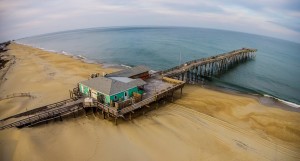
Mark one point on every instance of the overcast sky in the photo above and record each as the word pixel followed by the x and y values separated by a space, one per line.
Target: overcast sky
pixel 275 18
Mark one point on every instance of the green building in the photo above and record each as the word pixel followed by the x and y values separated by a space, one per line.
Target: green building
pixel 107 89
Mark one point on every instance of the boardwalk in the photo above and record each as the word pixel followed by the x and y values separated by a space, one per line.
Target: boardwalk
pixel 43 115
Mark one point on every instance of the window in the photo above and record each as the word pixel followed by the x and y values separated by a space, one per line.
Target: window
pixel 116 98
pixel 125 93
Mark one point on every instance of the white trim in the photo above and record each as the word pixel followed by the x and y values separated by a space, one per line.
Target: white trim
pixel 125 90
pixel 111 94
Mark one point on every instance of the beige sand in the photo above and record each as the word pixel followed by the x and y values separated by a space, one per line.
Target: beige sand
pixel 47 76
pixel 203 125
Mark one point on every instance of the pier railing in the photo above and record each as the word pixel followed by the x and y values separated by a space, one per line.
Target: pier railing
pixel 41 116
pixel 193 71
pixel 153 98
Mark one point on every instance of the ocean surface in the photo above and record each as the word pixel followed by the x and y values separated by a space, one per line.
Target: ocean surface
pixel 275 72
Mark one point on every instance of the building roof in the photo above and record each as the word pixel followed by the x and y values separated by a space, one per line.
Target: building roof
pixel 111 86
pixel 129 72
pixel 122 79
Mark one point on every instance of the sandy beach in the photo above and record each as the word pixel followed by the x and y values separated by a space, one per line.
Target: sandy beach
pixel 203 125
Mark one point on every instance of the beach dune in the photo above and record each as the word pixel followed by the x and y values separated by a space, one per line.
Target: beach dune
pixel 202 125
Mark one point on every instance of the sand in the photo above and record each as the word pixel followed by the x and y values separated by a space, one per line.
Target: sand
pixel 202 125
pixel 48 77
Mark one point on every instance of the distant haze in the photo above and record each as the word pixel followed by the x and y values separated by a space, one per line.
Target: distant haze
pixel 275 18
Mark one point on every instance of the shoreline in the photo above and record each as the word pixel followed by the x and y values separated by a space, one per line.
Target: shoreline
pixel 78 57
pixel 6 60
pixel 203 124
pixel 263 99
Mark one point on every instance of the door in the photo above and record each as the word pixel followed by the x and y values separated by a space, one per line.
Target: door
pixel 125 95
pixel 101 98
pixel 93 94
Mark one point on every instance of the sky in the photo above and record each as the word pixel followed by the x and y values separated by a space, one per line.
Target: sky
pixel 275 18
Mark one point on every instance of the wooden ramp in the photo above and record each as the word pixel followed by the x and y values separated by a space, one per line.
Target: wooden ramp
pixel 44 115
pixel 153 98
pixel 40 109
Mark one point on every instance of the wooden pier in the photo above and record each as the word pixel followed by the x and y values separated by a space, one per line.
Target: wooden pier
pixel 193 71
pixel 161 85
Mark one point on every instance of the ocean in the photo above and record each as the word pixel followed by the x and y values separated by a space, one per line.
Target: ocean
pixel 275 72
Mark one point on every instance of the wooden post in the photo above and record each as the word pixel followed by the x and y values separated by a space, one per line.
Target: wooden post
pixel 70 93
pixel 172 96
pixel 180 92
pixel 85 110
pixel 116 120
pixel 103 114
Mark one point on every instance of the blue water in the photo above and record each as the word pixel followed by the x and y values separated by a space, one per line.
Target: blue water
pixel 274 72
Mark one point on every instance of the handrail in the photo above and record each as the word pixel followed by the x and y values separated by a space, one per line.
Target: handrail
pixel 205 60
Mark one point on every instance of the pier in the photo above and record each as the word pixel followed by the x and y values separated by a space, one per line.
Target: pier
pixel 159 86
pixel 195 70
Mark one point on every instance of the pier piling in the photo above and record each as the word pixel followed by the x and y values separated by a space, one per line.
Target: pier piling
pixel 195 70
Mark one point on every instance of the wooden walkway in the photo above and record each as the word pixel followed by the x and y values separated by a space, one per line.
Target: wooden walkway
pixel 147 101
pixel 39 109
pixel 48 114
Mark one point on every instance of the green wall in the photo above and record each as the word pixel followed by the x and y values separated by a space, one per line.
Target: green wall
pixel 85 90
pixel 120 95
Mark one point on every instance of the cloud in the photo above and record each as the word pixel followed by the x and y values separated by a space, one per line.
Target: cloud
pixel 295 28
pixel 277 18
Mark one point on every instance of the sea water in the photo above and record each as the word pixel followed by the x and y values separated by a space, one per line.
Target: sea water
pixel 275 72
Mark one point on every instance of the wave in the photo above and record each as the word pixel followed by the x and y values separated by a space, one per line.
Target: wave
pixel 65 53
pixel 292 104
pixel 126 66
pixel 79 57
pixel 152 71
pixel 237 88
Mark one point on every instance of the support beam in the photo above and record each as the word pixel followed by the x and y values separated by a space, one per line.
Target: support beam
pixel 181 92
pixel 116 120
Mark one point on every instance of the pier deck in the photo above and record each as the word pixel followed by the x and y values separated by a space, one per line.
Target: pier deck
pixel 194 70
pixel 156 89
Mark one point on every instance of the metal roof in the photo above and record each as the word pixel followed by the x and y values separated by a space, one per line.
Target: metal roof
pixel 111 86
pixel 129 72
pixel 122 79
